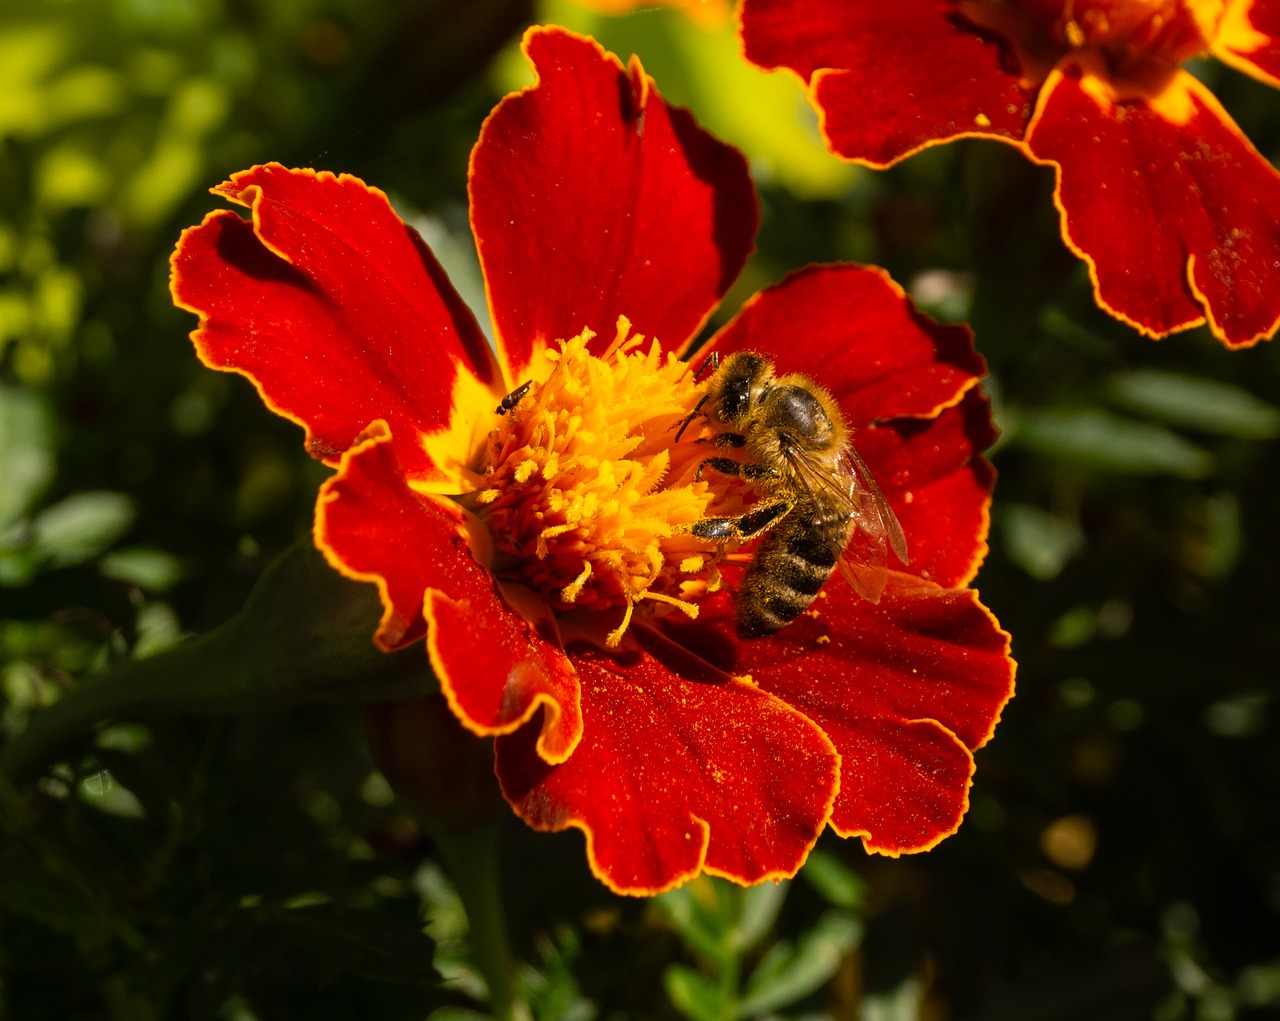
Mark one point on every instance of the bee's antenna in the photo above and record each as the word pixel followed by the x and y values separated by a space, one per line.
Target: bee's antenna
pixel 712 360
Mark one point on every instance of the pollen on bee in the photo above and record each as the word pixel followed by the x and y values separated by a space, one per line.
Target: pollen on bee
pixel 580 491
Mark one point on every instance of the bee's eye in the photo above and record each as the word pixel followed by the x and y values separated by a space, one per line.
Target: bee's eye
pixel 735 399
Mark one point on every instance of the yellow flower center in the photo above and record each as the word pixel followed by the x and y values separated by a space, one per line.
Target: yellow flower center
pixel 586 495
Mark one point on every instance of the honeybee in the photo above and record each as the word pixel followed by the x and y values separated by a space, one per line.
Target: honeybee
pixel 815 492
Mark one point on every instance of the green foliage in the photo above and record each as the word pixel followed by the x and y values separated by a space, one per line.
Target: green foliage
pixel 740 974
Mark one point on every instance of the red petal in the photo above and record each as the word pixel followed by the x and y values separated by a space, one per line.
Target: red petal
pixel 591 199
pixel 936 481
pixel 335 309
pixel 904 688
pixel 902 76
pixel 680 770
pixel 946 524
pixel 1178 221
pixel 1248 38
pixel 855 331
pixel 373 527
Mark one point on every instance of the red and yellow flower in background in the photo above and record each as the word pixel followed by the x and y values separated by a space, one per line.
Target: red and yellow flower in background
pixel 709 12
pixel 1176 214
pixel 537 536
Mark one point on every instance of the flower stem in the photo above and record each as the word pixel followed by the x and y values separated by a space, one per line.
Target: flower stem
pixel 470 856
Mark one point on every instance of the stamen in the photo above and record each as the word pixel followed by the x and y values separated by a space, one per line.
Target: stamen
pixel 586 495
pixel 614 638
pixel 690 609
pixel 570 592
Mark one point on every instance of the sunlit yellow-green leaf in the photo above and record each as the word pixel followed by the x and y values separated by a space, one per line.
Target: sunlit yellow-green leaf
pixel 28 55
pixel 163 180
pixel 26 452
pixel 198 107
pixel 70 176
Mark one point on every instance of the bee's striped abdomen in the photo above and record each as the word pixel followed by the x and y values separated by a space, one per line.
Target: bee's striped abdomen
pixel 793 562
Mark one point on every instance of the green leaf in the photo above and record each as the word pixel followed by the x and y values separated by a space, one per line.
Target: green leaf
pixel 1037 541
pixel 101 791
pixel 1108 442
pixel 18 566
pixel 1194 403
pixel 832 878
pixel 760 907
pixel 82 526
pixel 694 912
pixel 146 567
pixel 158 629
pixel 693 995
pixel 785 976
pixel 304 636
pixel 26 453
pixel 50 887
pixel 376 945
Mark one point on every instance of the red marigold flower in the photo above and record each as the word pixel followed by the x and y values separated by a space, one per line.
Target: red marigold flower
pixel 532 514
pixel 1176 214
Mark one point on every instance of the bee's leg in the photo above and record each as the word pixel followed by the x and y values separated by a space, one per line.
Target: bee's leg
pixel 749 470
pixel 742 527
pixel 690 417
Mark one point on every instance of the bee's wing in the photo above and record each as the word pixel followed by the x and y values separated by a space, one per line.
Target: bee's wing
pixel 876 514
pixel 848 484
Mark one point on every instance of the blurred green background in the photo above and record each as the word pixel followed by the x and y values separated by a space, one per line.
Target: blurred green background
pixel 1121 858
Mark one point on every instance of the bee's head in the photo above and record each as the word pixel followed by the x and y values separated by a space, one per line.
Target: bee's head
pixel 738 386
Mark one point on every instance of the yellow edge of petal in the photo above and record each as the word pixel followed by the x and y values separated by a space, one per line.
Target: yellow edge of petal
pixel 1215 327
pixel 1236 39
pixel 1090 265
pixel 555 711
pixel 869 843
pixel 1012 669
pixel 251 197
pixel 1177 111
pixel 865 835
pixel 700 866
pixel 1244 65
pixel 376 432
pixel 982 547
pixel 862 161
pixel 196 336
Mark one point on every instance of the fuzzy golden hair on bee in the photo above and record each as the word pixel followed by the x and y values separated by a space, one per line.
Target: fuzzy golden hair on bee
pixel 813 491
